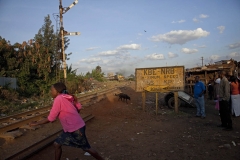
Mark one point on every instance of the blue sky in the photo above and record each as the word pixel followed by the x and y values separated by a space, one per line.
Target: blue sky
pixel 113 32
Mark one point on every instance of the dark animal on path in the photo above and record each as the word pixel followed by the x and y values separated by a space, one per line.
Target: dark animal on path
pixel 123 96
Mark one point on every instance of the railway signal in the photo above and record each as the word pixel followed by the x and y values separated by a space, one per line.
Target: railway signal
pixel 64 33
pixel 73 4
pixel 71 33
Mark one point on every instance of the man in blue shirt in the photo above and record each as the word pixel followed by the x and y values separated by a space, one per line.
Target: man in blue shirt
pixel 199 90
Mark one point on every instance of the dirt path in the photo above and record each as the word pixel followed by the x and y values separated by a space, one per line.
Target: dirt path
pixel 123 131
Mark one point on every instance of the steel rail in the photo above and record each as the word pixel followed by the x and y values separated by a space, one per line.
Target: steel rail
pixel 24 118
pixel 40 145
pixel 23 114
pixel 82 98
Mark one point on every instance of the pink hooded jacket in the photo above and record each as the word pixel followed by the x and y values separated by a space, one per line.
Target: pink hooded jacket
pixel 67 112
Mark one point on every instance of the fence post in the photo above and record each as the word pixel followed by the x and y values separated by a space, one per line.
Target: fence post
pixel 176 101
pixel 143 100
pixel 156 103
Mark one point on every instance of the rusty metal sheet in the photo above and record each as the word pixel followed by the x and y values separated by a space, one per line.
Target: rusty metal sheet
pixel 160 79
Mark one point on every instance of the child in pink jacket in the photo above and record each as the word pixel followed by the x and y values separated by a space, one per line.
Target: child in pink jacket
pixel 66 108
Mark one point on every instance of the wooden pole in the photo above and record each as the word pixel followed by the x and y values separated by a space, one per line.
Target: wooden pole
pixel 176 101
pixel 156 103
pixel 206 82
pixel 143 100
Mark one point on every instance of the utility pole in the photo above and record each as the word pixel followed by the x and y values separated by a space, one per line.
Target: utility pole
pixel 202 61
pixel 63 33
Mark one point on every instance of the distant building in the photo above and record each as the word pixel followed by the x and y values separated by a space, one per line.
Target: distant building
pixel 110 74
pixel 10 82
pixel 112 77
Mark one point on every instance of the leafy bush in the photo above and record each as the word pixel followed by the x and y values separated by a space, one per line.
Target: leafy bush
pixel 6 93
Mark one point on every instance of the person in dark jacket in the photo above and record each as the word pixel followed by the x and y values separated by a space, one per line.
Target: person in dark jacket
pixel 210 90
pixel 224 97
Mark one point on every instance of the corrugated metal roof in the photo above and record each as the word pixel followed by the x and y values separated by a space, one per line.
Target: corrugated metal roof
pixel 220 65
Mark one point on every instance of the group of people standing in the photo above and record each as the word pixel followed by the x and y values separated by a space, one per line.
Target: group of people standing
pixel 226 93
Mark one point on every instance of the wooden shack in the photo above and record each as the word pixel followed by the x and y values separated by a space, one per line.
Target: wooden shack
pixel 209 72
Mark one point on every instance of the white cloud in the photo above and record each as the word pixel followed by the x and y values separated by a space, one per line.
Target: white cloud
pixel 106 61
pixel 234 45
pixel 130 47
pixel 125 56
pixel 110 53
pixel 112 60
pixel 140 34
pixel 195 20
pixel 203 16
pixel 180 36
pixel 189 51
pixel 91 60
pixel 121 51
pixel 91 48
pixel 221 29
pixel 82 68
pixel 234 54
pixel 155 56
pixel 116 65
pixel 172 55
pixel 200 16
pixel 214 57
pixel 180 21
pixel 136 61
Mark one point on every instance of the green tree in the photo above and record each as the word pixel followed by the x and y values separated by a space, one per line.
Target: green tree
pixel 8 60
pixel 98 74
pixel 72 80
pixel 35 63
pixel 98 69
pixel 46 57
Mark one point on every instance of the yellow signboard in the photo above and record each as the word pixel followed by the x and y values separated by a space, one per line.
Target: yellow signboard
pixel 160 79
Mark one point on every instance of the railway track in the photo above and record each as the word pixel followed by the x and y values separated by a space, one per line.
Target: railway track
pixel 38 146
pixel 14 122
